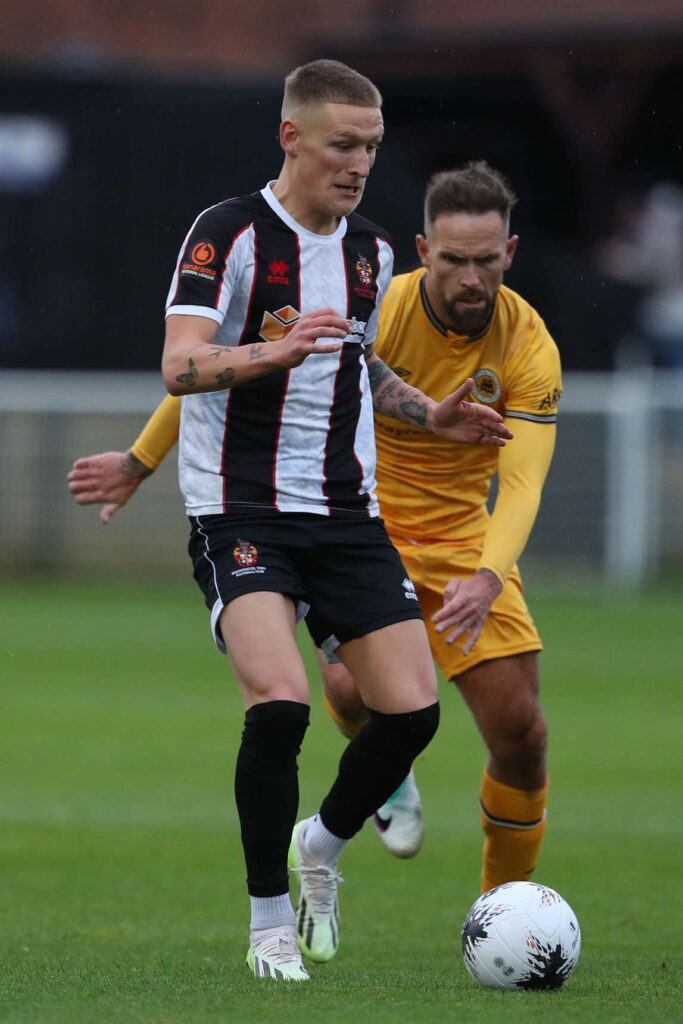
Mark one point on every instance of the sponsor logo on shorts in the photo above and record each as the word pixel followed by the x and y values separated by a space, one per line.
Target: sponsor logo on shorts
pixel 487 387
pixel 246 556
pixel 409 588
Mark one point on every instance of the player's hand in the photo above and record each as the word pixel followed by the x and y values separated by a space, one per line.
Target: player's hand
pixel 110 479
pixel 466 604
pixel 468 422
pixel 302 340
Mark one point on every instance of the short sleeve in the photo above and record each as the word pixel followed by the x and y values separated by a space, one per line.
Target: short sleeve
pixel 534 378
pixel 205 273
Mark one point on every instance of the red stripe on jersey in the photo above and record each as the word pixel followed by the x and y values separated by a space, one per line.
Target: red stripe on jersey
pixel 286 387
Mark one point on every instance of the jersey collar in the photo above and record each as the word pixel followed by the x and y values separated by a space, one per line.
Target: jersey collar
pixel 277 208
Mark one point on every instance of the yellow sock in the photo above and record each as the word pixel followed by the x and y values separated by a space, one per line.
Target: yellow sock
pixel 346 727
pixel 514 822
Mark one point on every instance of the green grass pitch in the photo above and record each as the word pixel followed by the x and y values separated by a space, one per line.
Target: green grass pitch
pixel 122 881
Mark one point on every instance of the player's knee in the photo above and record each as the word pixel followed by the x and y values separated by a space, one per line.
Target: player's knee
pixel 401 737
pixel 524 739
pixel 273 734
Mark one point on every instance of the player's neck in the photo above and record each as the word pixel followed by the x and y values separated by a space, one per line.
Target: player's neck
pixel 299 208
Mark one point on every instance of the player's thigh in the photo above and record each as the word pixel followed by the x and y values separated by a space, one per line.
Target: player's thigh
pixel 364 609
pixel 340 688
pixel 393 667
pixel 259 630
pixel 252 588
pixel 503 695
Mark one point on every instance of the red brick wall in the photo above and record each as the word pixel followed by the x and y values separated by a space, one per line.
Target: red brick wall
pixel 263 37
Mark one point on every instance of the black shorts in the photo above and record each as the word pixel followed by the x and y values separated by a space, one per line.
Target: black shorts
pixel 346 569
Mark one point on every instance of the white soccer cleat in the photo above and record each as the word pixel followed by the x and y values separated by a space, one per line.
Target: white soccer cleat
pixel 317 914
pixel 399 821
pixel 274 953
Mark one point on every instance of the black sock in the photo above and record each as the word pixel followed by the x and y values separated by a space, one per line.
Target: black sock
pixel 267 790
pixel 374 765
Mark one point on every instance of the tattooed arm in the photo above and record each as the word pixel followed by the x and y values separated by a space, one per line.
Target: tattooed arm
pixel 393 397
pixel 193 363
pixel 454 419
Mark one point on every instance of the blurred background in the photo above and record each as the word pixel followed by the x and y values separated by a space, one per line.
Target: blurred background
pixel 120 121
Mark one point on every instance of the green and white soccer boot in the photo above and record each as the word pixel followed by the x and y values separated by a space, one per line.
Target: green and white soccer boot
pixel 399 821
pixel 274 953
pixel 317 913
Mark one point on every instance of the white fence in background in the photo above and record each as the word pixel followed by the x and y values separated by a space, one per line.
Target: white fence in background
pixel 612 503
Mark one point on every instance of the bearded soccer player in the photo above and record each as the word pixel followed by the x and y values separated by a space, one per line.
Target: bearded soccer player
pixel 270 320
pixel 451 317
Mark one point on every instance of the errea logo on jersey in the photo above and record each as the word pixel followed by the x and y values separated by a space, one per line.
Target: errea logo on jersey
pixel 409 588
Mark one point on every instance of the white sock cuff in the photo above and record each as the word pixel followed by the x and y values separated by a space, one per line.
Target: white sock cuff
pixel 322 845
pixel 271 911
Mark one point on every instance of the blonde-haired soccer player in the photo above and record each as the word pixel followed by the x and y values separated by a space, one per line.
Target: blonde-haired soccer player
pixel 450 318
pixel 270 319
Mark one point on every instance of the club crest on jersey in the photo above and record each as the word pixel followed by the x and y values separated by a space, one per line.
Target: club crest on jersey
pixel 366 277
pixel 275 326
pixel 409 588
pixel 364 270
pixel 245 554
pixel 487 387
pixel 277 272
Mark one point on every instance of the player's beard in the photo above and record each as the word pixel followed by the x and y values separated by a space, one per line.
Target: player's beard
pixel 470 322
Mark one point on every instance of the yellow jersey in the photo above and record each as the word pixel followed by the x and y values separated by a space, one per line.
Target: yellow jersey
pixel 431 489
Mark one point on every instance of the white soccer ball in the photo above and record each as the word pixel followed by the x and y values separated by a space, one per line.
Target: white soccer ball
pixel 521 935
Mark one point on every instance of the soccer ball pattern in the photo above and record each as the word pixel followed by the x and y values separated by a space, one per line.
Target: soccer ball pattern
pixel 521 936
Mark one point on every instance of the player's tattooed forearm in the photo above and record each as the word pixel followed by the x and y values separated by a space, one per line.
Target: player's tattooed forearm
pixel 226 377
pixel 414 411
pixel 256 352
pixel 377 372
pixel 189 378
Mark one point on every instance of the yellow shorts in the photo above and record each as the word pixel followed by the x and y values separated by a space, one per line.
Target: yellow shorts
pixel 509 628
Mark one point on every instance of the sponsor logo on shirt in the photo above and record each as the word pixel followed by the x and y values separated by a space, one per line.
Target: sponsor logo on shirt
pixel 487 387
pixel 202 255
pixel 551 400
pixel 356 335
pixel 275 326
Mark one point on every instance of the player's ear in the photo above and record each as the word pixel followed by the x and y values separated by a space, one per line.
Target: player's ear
pixel 510 250
pixel 289 137
pixel 422 246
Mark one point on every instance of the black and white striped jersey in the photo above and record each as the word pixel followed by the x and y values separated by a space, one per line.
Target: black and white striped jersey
pixel 298 440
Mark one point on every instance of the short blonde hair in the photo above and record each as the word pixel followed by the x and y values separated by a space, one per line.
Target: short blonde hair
pixel 328 81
